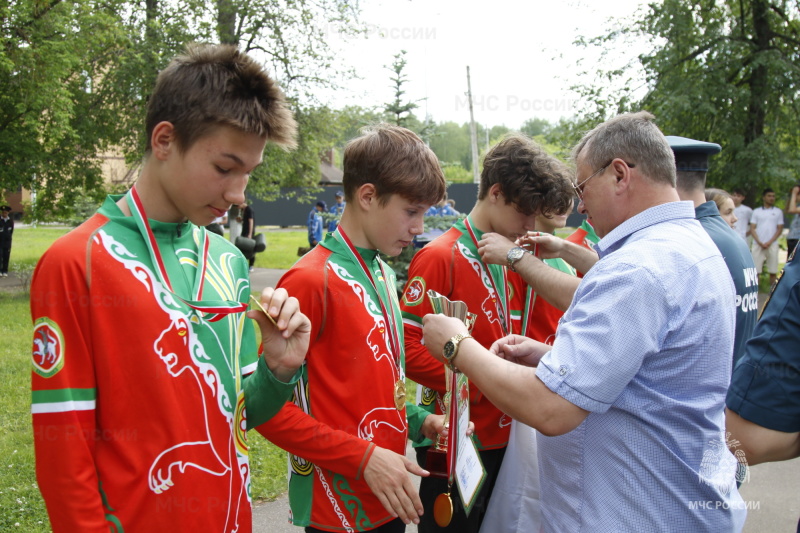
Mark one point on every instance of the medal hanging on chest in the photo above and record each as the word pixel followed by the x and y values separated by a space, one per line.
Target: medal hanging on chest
pixel 209 310
pixel 399 392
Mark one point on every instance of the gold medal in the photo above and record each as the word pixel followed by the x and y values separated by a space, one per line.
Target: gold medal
pixel 261 308
pixel 443 509
pixel 400 394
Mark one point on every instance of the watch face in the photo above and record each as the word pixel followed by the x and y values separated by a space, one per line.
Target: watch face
pixel 449 348
pixel 515 253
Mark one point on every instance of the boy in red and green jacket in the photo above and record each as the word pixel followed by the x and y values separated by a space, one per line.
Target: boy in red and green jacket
pixel 348 470
pixel 519 181
pixel 146 372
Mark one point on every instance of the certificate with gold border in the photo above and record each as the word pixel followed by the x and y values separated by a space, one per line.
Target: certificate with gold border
pixel 470 473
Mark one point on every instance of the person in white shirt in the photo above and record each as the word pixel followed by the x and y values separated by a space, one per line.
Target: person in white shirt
pixel 742 212
pixel 766 226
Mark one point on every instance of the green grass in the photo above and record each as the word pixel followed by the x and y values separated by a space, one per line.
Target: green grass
pixel 21 505
pixel 282 247
pixel 30 243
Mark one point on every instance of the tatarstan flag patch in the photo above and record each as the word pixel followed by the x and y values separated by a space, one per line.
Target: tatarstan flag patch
pixel 415 291
pixel 48 348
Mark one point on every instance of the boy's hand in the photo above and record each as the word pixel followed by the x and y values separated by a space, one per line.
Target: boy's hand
pixel 284 333
pixel 434 425
pixel 386 474
pixel 493 248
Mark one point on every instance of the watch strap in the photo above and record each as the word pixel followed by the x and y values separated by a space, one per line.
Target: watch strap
pixel 456 340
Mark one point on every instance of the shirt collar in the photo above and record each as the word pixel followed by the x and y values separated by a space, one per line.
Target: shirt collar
pixel 648 217
pixel 707 209
pixel 111 210
pixel 368 254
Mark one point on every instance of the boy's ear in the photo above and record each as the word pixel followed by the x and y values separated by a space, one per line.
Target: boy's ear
pixel 366 196
pixel 162 140
pixel 495 193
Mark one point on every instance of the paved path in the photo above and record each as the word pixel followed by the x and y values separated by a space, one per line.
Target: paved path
pixel 261 278
pixel 272 517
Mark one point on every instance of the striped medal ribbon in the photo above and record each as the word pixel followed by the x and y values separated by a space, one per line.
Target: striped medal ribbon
pixel 211 310
pixel 394 338
pixel 502 306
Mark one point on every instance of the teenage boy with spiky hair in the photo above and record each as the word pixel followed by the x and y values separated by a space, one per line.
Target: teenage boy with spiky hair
pixel 348 470
pixel 145 366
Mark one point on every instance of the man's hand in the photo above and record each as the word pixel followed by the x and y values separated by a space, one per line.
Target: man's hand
pixel 285 341
pixel 386 474
pixel 493 248
pixel 520 350
pixel 437 330
pixel 543 246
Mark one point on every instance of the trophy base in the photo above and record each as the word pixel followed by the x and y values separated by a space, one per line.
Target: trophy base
pixel 436 462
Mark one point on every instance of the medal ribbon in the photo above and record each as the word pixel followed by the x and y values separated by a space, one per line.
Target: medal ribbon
pixel 213 310
pixel 530 301
pixel 502 306
pixel 394 338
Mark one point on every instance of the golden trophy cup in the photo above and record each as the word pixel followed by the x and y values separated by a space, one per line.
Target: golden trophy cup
pixel 436 459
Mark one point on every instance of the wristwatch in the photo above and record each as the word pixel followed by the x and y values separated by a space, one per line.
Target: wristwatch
pixel 514 255
pixel 451 350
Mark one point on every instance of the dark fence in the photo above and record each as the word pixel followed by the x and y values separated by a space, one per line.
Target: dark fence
pixel 291 212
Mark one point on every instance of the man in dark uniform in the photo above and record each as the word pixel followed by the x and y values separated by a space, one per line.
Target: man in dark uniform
pixel 6 232
pixel 763 414
pixel 691 161
pixel 248 227
pixel 336 209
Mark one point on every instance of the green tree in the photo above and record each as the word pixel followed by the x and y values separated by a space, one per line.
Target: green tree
pixel 319 129
pixel 451 144
pixel 535 126
pixel 75 77
pixel 723 71
pixel 398 109
pixel 54 118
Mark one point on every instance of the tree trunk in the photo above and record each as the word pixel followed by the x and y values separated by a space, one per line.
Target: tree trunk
pixel 226 22
pixel 756 116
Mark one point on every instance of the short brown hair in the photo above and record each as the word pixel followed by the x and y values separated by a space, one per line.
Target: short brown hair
pixel 530 178
pixel 395 161
pixel 214 85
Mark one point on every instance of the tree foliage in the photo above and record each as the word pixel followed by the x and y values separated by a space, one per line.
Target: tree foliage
pixel 722 71
pixel 75 77
pixel 398 109
pixel 53 117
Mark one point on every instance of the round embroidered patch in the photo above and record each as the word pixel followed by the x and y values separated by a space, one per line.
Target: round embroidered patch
pixel 415 291
pixel 240 427
pixel 428 396
pixel 48 348
pixel 300 466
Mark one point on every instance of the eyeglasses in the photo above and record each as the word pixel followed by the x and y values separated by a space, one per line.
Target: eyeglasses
pixel 579 187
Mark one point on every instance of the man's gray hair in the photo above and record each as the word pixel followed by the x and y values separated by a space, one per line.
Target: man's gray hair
pixel 636 139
